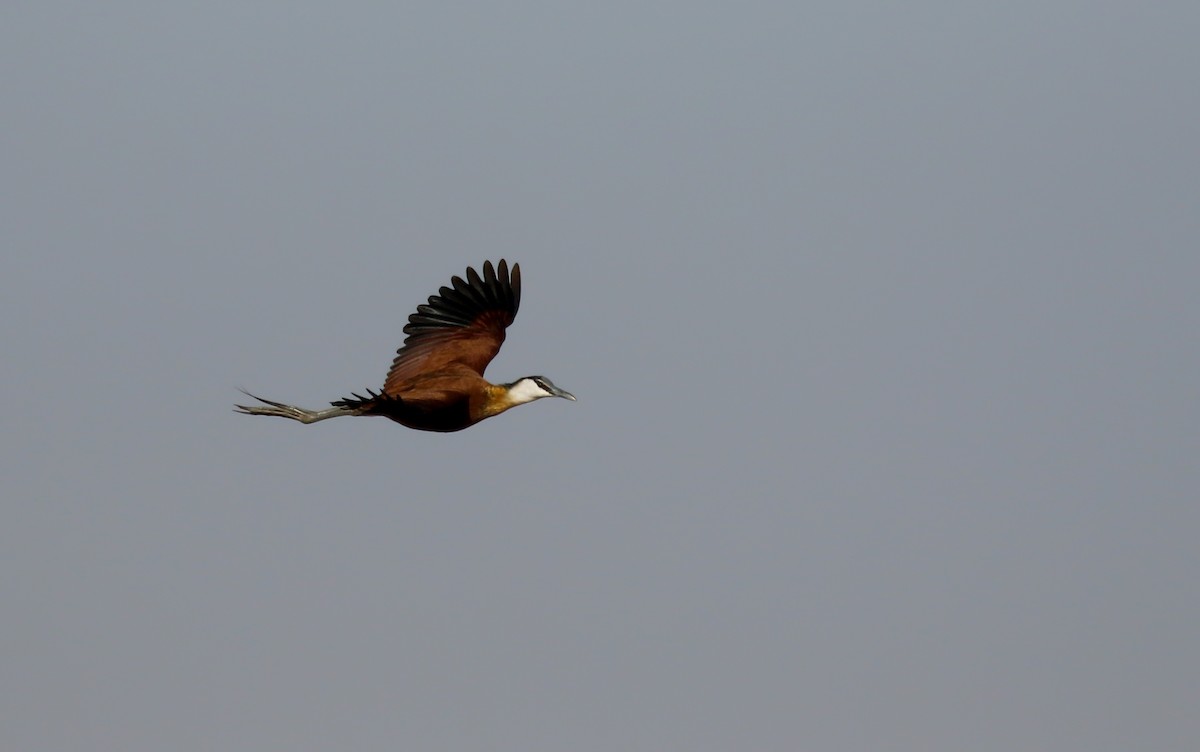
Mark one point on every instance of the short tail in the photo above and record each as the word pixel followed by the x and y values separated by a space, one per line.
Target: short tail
pixel 374 402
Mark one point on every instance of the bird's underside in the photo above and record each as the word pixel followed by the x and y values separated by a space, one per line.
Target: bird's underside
pixel 436 380
pixel 450 413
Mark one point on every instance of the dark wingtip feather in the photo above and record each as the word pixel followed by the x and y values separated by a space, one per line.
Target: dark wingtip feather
pixel 491 285
pixel 461 303
pixel 514 284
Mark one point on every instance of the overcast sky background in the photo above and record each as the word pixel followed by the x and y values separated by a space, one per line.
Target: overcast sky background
pixel 882 318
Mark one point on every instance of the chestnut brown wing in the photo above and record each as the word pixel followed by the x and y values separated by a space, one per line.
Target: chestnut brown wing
pixel 463 324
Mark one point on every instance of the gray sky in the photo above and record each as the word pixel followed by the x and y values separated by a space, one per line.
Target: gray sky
pixel 882 318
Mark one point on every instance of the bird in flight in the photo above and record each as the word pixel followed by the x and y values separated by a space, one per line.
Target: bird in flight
pixel 436 381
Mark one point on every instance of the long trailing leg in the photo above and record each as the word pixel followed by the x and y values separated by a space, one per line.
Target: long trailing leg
pixel 280 410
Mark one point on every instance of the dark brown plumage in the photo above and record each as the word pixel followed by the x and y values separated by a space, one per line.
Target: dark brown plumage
pixel 436 380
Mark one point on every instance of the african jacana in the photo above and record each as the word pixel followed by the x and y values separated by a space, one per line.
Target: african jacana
pixel 436 381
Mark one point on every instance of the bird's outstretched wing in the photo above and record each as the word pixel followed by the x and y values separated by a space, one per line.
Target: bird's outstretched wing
pixel 462 325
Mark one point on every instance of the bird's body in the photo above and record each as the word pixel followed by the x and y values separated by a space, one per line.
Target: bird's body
pixel 436 381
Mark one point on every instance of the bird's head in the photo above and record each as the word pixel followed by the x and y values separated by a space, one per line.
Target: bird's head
pixel 532 388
